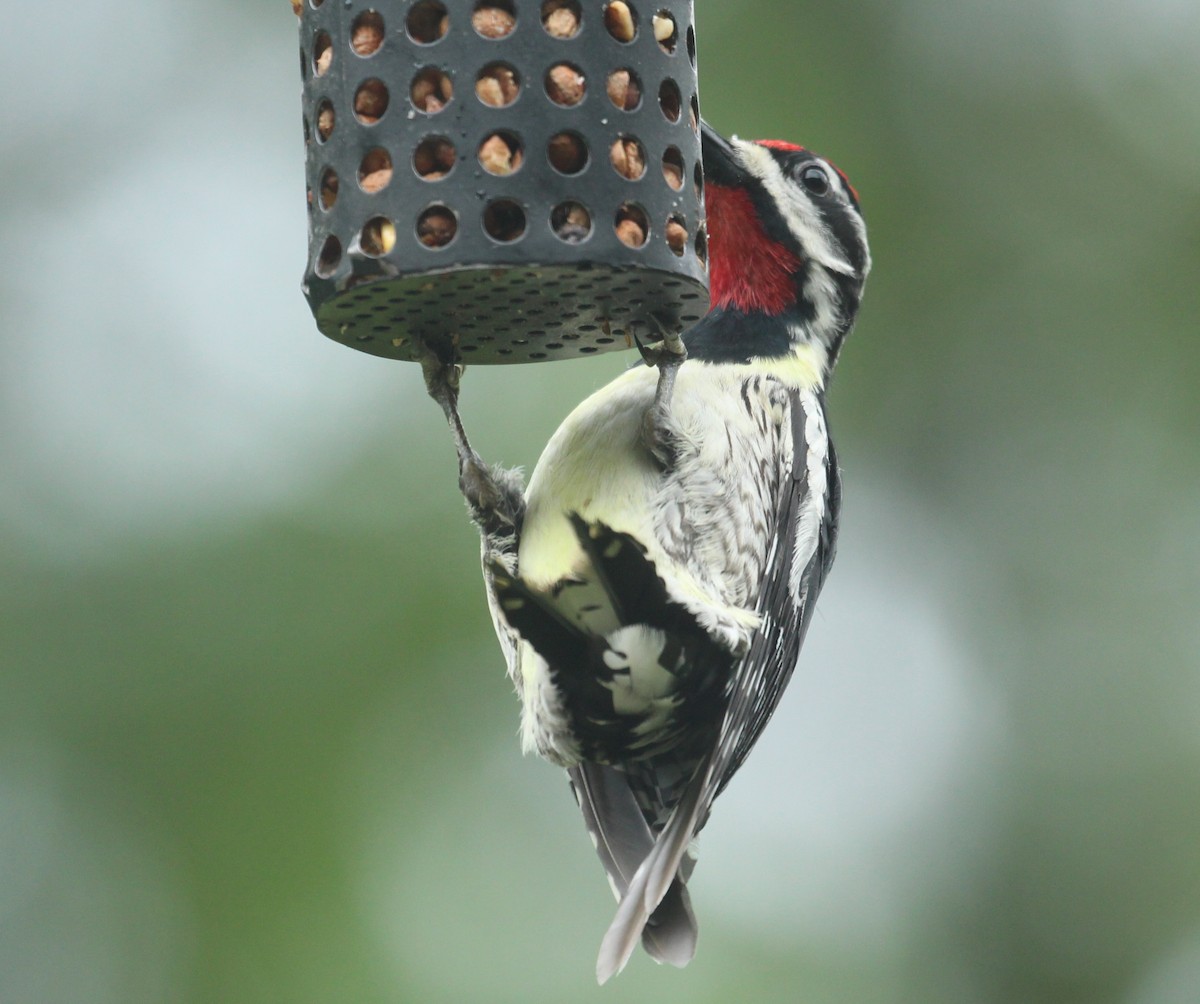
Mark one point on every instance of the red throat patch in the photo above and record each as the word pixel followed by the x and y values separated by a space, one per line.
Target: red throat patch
pixel 747 270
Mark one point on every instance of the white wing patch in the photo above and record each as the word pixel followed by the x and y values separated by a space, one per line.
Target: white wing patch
pixel 812 515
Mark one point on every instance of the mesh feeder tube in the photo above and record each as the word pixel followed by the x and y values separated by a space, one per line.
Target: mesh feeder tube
pixel 507 180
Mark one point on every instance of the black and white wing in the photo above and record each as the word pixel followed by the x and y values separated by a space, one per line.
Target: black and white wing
pixel 803 538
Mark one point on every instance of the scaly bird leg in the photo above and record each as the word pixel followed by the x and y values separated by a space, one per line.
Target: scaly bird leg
pixel 493 494
pixel 668 355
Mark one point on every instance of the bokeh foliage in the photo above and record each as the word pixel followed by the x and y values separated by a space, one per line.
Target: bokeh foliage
pixel 255 740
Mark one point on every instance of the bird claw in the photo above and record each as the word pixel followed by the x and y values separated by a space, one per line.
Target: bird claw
pixel 669 351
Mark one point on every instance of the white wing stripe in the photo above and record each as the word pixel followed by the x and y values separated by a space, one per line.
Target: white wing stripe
pixel 812 513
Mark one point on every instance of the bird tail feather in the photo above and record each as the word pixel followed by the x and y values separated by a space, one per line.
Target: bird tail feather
pixel 654 883
pixel 623 841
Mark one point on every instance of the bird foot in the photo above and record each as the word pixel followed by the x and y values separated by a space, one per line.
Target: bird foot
pixel 494 506
pixel 442 380
pixel 668 355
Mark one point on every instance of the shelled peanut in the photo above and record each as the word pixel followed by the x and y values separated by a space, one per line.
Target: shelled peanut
pixel 559 19
pixel 565 85
pixel 618 19
pixel 627 158
pixel 623 90
pixel 676 236
pixel 493 22
pixel 497 86
pixel 499 155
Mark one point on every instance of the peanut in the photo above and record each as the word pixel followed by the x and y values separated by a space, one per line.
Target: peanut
pixel 324 60
pixel 493 22
pixel 497 156
pixel 325 120
pixel 379 237
pixel 627 157
pixel 376 181
pixel 676 236
pixel 497 86
pixel 431 90
pixel 565 85
pixel 370 101
pixel 618 19
pixel 329 190
pixel 630 233
pixel 559 22
pixel 623 90
pixel 664 29
pixel 367 36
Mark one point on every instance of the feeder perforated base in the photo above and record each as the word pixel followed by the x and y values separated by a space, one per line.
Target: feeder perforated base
pixel 513 314
pixel 481 179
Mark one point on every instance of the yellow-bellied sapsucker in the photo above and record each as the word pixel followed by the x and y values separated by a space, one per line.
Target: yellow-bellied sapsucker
pixel 652 586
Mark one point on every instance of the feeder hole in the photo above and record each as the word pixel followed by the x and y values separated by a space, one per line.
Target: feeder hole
pixel 702 246
pixel 436 227
pixel 624 89
pixel 691 44
pixel 326 117
pixel 322 53
pixel 676 231
pixel 494 18
pixel 427 22
pixel 571 222
pixel 672 168
pixel 567 152
pixel 431 90
pixel 366 33
pixel 327 191
pixel 665 32
pixel 497 85
pixel 565 85
pixel 375 171
pixel 329 258
pixel 501 154
pixel 670 100
pixel 694 113
pixel 561 18
pixel 370 101
pixel 378 236
pixel 619 21
pixel 504 220
pixel 628 157
pixel 698 180
pixel 632 225
pixel 434 158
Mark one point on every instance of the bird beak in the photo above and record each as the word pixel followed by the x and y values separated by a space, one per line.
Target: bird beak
pixel 721 163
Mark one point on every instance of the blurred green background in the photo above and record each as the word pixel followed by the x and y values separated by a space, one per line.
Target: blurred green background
pixel 256 743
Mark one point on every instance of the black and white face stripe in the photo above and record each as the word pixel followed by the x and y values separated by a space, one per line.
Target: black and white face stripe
pixel 827 229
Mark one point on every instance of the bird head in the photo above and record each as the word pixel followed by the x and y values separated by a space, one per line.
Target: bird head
pixel 786 237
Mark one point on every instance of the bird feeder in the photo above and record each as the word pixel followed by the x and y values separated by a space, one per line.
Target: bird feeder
pixel 504 180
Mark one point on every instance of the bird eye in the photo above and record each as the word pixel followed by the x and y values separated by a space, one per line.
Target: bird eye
pixel 815 180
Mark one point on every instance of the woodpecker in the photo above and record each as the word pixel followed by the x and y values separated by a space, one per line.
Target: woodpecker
pixel 652 586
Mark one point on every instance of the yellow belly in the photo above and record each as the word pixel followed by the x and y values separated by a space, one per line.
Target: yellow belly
pixel 597 466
